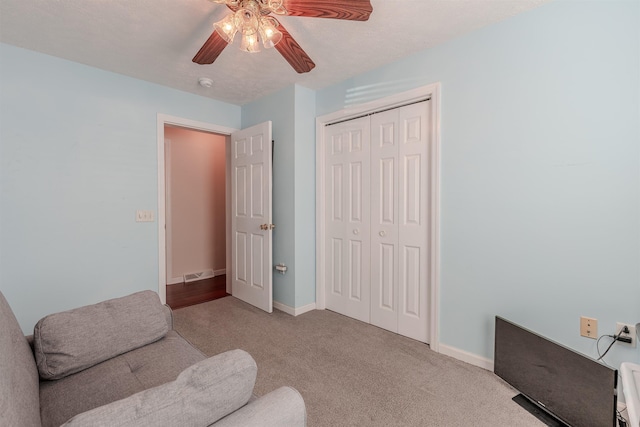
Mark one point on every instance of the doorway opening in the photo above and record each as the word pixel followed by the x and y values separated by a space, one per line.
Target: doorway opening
pixel 195 187
pixel 194 247
pixel 248 209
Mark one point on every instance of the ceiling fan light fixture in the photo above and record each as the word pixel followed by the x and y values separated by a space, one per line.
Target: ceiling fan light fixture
pixel 251 20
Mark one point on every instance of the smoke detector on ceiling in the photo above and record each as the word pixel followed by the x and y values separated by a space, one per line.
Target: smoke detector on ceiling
pixel 205 82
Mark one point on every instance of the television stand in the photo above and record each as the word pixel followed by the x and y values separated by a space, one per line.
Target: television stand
pixel 538 411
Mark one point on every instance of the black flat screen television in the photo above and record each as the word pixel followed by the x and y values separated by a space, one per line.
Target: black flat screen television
pixel 558 385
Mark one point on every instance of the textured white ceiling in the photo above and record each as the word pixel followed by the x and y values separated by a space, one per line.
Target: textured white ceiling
pixel 154 40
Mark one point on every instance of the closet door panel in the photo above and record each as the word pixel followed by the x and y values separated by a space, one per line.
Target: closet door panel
pixel 347 218
pixel 384 220
pixel 414 219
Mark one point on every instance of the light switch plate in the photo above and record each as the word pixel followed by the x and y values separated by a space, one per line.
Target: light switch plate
pixel 144 216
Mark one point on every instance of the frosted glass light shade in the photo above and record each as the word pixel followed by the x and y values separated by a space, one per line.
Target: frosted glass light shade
pixel 250 43
pixel 227 28
pixel 269 32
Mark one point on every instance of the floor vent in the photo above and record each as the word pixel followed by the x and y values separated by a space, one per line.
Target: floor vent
pixel 192 277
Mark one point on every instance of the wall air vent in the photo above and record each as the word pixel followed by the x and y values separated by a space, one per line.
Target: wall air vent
pixel 192 277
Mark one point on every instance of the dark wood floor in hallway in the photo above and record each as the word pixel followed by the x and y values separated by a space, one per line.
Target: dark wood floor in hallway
pixel 186 294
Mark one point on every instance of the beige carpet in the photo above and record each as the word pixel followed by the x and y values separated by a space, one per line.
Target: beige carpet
pixel 351 373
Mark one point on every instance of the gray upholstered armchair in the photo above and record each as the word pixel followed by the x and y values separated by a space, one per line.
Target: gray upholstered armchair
pixel 121 363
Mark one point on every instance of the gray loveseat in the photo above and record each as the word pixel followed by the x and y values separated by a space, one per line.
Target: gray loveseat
pixel 120 363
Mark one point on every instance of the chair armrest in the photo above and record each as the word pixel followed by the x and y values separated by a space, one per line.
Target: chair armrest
pixel 281 407
pixel 168 314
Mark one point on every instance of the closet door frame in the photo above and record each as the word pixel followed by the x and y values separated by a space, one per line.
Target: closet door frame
pixel 431 91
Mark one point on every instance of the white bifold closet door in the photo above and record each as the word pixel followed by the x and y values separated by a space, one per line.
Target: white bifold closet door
pixel 377 218
pixel 347 206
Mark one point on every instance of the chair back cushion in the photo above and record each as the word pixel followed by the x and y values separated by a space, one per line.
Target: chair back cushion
pixel 74 340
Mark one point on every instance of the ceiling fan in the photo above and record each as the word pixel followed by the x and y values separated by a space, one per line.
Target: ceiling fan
pixel 254 21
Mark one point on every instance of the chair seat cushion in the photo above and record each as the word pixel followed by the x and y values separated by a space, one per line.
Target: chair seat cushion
pixel 68 342
pixel 116 378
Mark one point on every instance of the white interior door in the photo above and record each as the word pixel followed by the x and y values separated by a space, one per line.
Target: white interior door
pixel 251 220
pixel 347 218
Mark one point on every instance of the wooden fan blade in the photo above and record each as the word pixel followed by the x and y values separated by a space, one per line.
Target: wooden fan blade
pixel 353 10
pixel 293 53
pixel 210 49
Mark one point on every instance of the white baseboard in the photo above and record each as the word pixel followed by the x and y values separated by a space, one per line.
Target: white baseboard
pixel 467 357
pixel 175 281
pixel 294 311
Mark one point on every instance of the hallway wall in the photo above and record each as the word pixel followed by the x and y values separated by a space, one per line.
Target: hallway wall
pixel 195 166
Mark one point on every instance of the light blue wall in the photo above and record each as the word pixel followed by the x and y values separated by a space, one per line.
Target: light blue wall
pixel 78 157
pixel 540 170
pixel 540 174
pixel 292 112
pixel 305 195
pixel 279 108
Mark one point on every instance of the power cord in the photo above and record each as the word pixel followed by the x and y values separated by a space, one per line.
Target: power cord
pixel 615 337
pixel 622 421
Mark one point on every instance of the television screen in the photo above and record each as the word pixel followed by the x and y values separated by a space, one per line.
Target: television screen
pixel 572 387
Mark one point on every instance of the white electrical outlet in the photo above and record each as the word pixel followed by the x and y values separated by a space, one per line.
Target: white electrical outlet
pixel 631 334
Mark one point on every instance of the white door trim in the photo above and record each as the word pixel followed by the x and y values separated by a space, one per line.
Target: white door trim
pixel 171 280
pixel 414 95
pixel 162 120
